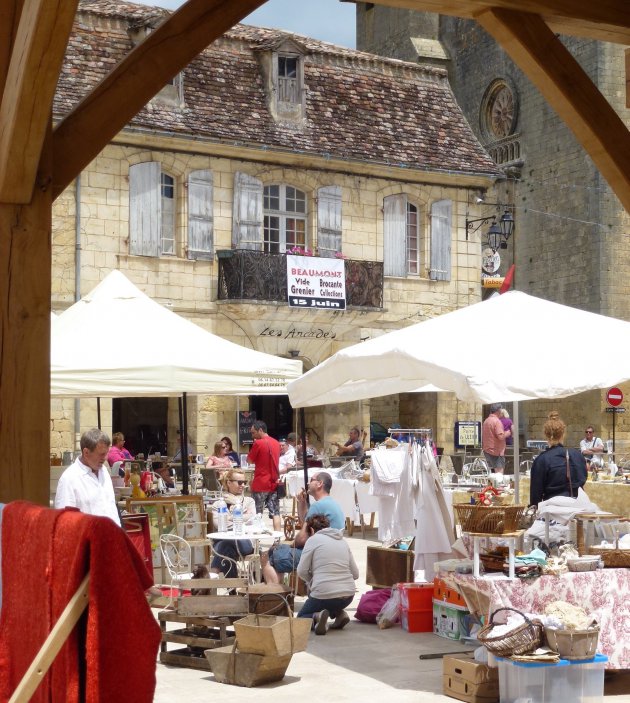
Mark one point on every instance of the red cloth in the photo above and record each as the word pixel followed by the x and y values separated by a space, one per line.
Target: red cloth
pixel 136 527
pixel 111 653
pixel 265 454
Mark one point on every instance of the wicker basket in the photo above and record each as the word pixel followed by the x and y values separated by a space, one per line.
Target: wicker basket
pixel 573 644
pixel 492 519
pixel 525 638
pixel 612 558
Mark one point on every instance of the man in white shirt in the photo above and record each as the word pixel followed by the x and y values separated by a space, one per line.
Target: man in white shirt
pixel 287 456
pixel 86 484
pixel 592 448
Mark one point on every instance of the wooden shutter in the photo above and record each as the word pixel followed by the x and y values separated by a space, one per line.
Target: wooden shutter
pixel 145 209
pixel 329 221
pixel 441 240
pixel 200 219
pixel 395 235
pixel 247 225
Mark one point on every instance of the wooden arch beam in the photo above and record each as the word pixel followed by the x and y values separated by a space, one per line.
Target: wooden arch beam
pixel 142 74
pixel 32 67
pixel 568 89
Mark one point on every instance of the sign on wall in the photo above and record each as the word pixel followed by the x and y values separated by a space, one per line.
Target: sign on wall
pixel 316 283
pixel 467 434
pixel 246 419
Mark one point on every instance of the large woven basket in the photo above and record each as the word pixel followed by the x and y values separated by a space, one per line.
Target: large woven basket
pixel 612 558
pixel 491 519
pixel 524 638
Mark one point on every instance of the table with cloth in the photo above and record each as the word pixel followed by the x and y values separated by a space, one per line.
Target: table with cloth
pixel 611 496
pixel 602 593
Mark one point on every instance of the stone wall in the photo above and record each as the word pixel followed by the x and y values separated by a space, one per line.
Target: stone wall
pixel 189 287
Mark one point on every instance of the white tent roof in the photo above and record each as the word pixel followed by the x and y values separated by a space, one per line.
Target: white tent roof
pixel 510 347
pixel 117 342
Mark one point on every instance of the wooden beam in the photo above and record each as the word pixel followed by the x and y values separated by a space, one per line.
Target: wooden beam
pixel 31 78
pixel 141 75
pixel 25 280
pixel 606 20
pixel 568 89
pixel 9 16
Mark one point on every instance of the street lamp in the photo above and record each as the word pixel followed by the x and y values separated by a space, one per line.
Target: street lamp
pixel 499 232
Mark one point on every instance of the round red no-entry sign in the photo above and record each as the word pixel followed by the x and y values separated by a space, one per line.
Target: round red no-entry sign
pixel 614 397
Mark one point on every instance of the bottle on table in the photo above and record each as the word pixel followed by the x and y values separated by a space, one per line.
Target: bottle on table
pixel 222 515
pixel 237 519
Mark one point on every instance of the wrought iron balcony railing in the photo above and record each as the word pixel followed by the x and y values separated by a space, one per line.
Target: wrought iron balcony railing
pixel 255 275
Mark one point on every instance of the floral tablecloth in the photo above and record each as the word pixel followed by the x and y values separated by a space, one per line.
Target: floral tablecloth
pixel 603 593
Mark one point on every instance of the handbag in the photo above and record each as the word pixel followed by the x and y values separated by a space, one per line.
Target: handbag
pixel 281 489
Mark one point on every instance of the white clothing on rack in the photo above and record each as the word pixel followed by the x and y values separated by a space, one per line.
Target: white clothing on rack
pixel 434 532
pixel 396 514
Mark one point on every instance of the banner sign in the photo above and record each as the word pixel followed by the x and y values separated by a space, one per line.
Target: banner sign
pixel 313 282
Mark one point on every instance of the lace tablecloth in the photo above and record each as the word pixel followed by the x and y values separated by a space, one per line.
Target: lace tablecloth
pixel 603 593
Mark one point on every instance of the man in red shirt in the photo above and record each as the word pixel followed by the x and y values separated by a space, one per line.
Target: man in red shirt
pixel 265 455
pixel 493 438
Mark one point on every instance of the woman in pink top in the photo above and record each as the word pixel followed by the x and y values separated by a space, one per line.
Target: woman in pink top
pixel 117 452
pixel 219 460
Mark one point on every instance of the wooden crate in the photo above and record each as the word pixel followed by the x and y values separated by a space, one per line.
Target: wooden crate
pixel 198 633
pixel 386 567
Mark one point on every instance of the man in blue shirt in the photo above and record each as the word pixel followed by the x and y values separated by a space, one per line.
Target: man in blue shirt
pixel 285 558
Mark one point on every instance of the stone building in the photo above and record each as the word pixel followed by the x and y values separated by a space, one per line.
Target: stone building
pixel 571 241
pixel 268 143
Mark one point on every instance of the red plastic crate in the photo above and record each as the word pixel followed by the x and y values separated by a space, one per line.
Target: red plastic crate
pixel 416 596
pixel 417 620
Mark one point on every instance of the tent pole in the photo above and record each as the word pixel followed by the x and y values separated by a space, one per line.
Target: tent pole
pixel 238 429
pixel 304 458
pixel 98 412
pixel 516 436
pixel 183 442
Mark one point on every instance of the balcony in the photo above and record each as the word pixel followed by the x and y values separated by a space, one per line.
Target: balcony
pixel 255 275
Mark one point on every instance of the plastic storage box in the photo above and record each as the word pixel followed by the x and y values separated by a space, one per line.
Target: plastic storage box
pixel 574 681
pixel 446 594
pixel 416 596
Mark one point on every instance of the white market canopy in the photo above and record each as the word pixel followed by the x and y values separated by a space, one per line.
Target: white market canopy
pixel 508 348
pixel 118 342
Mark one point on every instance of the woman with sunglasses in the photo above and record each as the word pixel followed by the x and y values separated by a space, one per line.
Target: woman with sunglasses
pixel 219 461
pixel 228 551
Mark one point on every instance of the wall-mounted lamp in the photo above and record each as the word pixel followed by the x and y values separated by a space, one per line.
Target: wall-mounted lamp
pixel 499 232
pixel 294 353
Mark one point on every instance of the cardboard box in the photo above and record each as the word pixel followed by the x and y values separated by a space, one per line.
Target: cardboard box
pixel 468 680
pixel 451 621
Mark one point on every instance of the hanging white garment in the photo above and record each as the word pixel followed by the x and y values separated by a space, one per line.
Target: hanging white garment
pixel 387 466
pixel 434 532
pixel 343 492
pixel 396 514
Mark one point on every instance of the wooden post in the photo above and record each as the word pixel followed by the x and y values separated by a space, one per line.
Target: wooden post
pixel 25 283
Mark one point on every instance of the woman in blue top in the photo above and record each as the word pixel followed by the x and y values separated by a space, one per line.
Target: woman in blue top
pixel 558 471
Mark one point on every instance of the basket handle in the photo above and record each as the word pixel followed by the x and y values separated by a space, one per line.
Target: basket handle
pixel 514 610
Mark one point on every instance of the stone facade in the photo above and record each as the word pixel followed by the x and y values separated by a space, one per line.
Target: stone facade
pixel 570 244
pixel 92 218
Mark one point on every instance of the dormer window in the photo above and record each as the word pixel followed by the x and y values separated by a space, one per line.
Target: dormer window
pixel 288 83
pixel 282 64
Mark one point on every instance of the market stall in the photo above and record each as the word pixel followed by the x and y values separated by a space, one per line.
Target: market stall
pixel 603 592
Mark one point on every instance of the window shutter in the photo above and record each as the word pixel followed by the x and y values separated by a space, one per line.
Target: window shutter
pixel 145 209
pixel 441 241
pixel 200 219
pixel 247 226
pixel 395 235
pixel 329 221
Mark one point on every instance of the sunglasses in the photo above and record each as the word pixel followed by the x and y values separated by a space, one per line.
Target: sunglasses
pixel 240 483
pixel 588 431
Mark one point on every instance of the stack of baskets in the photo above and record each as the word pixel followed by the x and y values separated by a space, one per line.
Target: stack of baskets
pixel 613 558
pixel 491 519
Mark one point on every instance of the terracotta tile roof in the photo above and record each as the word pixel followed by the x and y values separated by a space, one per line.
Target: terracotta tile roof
pixel 358 106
